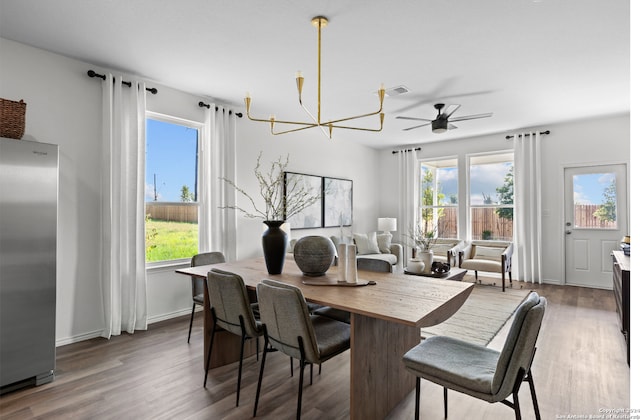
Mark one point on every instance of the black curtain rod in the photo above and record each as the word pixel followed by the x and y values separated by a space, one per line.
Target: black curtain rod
pixel 406 150
pixel 203 105
pixel 92 73
pixel 527 134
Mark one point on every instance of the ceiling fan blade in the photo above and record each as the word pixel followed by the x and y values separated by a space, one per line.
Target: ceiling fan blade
pixel 472 117
pixel 417 126
pixel 450 110
pixel 451 126
pixel 400 117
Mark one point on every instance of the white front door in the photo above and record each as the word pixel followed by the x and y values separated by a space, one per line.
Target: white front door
pixel 595 221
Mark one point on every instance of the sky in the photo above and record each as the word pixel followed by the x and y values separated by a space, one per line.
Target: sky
pixel 171 157
pixel 485 179
pixel 588 188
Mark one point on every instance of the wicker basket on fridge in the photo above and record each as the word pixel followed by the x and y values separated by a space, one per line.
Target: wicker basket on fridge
pixel 12 118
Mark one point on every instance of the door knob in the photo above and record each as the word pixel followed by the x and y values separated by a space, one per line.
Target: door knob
pixel 568 232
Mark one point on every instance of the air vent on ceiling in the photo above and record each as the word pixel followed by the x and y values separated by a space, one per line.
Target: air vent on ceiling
pixel 396 90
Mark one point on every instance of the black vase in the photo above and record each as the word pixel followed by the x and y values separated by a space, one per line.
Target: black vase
pixel 274 246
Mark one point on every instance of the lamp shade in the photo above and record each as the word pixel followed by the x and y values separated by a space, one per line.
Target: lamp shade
pixel 387 224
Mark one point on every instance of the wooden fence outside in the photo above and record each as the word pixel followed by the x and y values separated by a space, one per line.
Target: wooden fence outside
pixel 583 217
pixel 482 219
pixel 174 212
pixel 501 229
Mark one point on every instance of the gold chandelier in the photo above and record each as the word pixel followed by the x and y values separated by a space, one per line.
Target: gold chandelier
pixel 319 22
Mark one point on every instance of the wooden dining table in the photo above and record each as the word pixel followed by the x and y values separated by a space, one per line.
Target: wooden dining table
pixel 387 312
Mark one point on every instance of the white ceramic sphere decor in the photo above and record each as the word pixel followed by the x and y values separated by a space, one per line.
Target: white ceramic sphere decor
pixel 415 265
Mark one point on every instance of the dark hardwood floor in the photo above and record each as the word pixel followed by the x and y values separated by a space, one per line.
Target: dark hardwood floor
pixel 580 369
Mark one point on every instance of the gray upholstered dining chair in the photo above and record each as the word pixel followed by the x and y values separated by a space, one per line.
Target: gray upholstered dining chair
pixel 290 328
pixel 231 311
pixel 478 371
pixel 197 283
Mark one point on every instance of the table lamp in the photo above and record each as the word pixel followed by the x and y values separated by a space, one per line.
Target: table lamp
pixel 387 224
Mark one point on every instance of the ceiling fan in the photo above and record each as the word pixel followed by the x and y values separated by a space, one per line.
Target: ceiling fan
pixel 442 122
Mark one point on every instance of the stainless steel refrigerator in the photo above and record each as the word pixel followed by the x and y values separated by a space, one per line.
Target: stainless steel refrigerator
pixel 28 232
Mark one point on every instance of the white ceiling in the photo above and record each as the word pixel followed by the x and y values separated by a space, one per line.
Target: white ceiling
pixel 530 62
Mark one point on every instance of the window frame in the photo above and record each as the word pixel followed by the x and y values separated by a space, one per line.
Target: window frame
pixel 199 127
pixel 440 163
pixel 493 157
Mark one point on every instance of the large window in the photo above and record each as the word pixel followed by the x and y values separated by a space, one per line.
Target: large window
pixel 491 196
pixel 439 197
pixel 171 190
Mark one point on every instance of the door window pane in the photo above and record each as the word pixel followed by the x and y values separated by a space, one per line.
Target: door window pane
pixel 594 201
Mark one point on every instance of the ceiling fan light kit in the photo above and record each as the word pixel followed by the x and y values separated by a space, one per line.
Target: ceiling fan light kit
pixel 442 122
pixel 316 121
pixel 439 126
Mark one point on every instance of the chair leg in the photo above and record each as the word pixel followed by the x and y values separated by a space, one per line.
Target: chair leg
pixel 516 406
pixel 193 310
pixel 264 357
pixel 446 403
pixel 299 410
pixel 536 409
pixel 242 340
pixel 206 371
pixel 503 281
pixel 291 364
pixel 417 414
pixel 301 381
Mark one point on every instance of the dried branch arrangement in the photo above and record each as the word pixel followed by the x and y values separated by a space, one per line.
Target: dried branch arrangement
pixel 277 205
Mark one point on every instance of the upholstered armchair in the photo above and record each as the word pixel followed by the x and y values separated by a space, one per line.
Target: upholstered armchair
pixel 446 250
pixel 490 256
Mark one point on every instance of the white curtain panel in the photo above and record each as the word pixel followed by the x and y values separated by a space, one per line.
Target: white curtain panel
pixel 123 274
pixel 528 207
pixel 408 192
pixel 217 227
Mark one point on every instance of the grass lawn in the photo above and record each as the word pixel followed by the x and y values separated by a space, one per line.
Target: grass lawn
pixel 170 240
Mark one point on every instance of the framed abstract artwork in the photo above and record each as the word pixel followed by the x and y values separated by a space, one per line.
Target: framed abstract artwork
pixel 338 202
pixel 294 184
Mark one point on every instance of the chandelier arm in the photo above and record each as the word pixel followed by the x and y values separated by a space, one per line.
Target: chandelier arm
pixel 275 133
pixel 317 122
pixel 307 124
pixel 359 128
pixel 352 118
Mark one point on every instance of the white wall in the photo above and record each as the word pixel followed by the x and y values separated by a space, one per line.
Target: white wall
pixel 64 107
pixel 595 141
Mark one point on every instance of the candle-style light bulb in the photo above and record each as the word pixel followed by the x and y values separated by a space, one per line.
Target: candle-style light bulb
pixel 381 92
pixel 299 83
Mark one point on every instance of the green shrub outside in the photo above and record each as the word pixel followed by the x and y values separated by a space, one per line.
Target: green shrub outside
pixel 167 240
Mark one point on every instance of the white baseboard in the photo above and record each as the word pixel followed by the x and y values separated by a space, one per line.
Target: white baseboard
pixel 95 334
pixel 164 317
pixel 78 338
